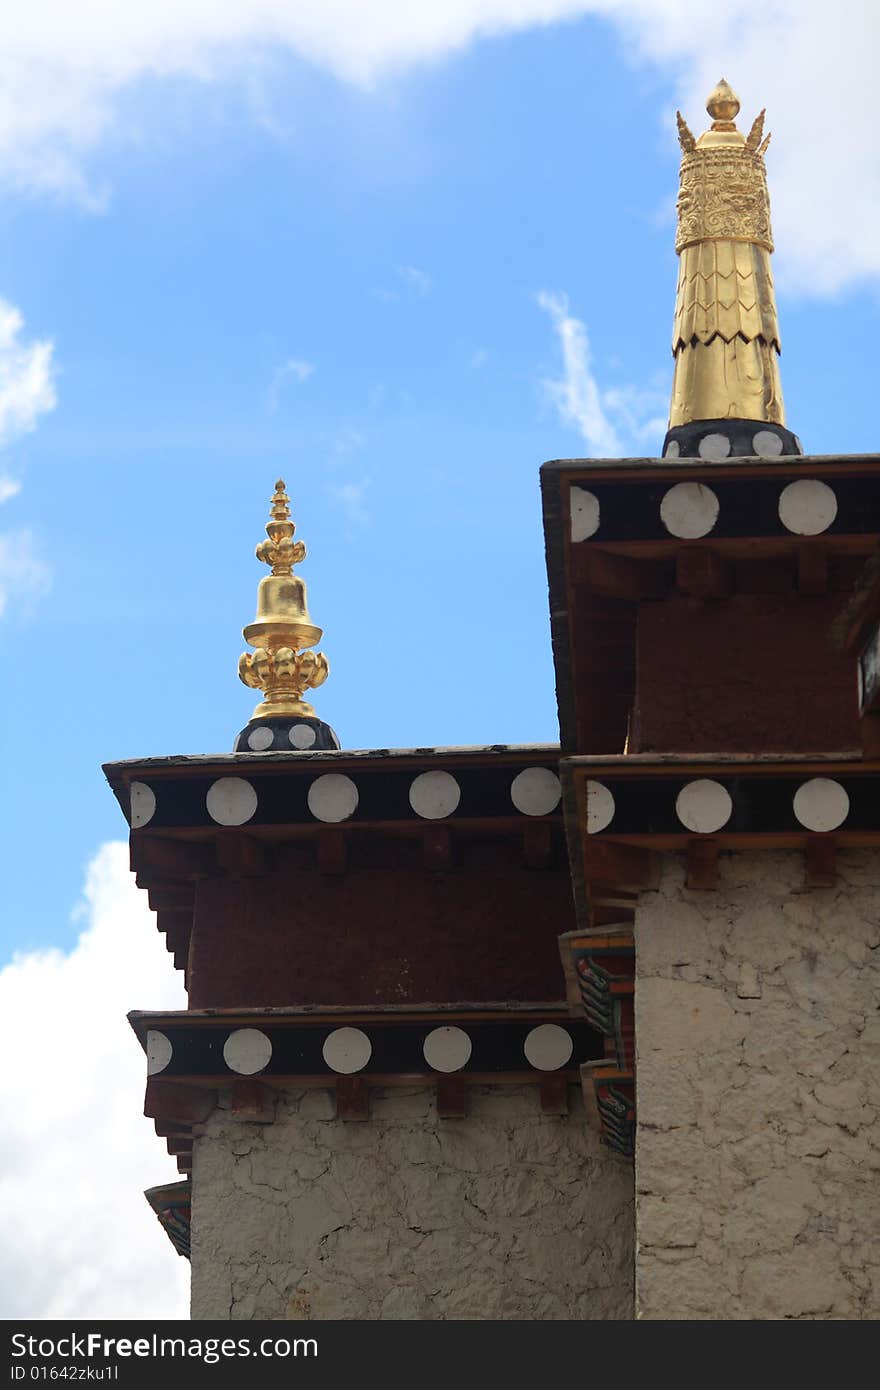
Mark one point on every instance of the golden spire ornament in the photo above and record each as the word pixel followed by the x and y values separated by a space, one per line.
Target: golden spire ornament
pixel 725 338
pixel 283 666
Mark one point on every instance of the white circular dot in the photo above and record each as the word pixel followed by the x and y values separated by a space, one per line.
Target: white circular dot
pixel 584 514
pixel 821 804
pixel 260 739
pixel 159 1051
pixel 714 446
pixel 689 510
pixel 600 807
pixel 673 449
pixel 333 797
pixel 767 445
pixel 302 735
pixel 704 806
pixel 142 800
pixel 347 1050
pixel 247 1051
pixel 447 1049
pixel 434 795
pixel 536 791
pixel 548 1047
pixel 231 801
pixel 807 507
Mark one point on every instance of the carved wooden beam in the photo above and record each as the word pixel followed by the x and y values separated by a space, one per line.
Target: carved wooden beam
pixel 253 1101
pixel 702 864
pixel 436 847
pixel 703 573
pixel 812 569
pixel 451 1098
pixel 155 856
pixel 176 1102
pixel 617 576
pixel 352 1098
pixel 820 862
pixel 331 851
pixel 243 855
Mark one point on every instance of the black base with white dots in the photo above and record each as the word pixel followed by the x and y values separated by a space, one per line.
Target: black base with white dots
pixel 723 500
pixel 714 440
pixel 287 735
pixel 330 787
pixel 289 1047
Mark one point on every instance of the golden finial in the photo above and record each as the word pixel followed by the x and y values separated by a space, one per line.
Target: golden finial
pixel 722 104
pixel 726 336
pixel 281 666
pixel 280 504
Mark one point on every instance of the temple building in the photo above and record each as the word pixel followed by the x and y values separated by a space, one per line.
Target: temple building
pixel 575 1031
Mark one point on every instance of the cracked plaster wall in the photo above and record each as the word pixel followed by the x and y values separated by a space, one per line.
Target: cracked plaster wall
pixel 505 1214
pixel 758 1039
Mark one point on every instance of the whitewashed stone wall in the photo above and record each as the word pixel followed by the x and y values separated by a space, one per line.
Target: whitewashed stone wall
pixel 505 1214
pixel 758 1038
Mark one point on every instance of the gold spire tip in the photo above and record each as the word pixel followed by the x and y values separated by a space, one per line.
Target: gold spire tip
pixel 280 504
pixel 722 103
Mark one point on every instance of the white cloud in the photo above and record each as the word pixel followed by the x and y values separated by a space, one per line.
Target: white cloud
pixel 414 281
pixel 79 1240
pixel 611 421
pixel 419 281
pixel 27 391
pixel 25 578
pixel 576 393
pixel 294 369
pixel 27 386
pixel 64 66
pixel 641 414
pixel 351 498
pixel 813 66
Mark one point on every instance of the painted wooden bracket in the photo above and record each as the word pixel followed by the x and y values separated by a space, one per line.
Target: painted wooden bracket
pixel 177 1102
pixel 332 851
pixel 242 855
pixel 538 846
pixel 451 1098
pixel 701 857
pixel 812 569
pixel 703 573
pixel 553 1092
pixel 155 855
pixel 436 848
pixel 617 576
pixel 629 867
pixel 254 1102
pixel 820 862
pixel 352 1098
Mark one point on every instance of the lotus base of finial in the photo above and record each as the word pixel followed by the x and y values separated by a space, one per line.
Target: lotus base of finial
pixel 283 674
pixel 284 706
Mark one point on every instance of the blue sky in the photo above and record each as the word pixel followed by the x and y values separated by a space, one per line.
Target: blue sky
pixel 357 265
pixel 393 252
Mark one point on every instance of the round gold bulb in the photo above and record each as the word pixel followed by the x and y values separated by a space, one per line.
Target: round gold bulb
pixel 722 102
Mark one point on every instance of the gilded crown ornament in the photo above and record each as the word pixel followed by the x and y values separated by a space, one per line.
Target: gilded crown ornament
pixel 725 338
pixel 282 664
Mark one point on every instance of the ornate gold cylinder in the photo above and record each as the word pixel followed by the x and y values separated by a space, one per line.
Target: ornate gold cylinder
pixel 725 337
